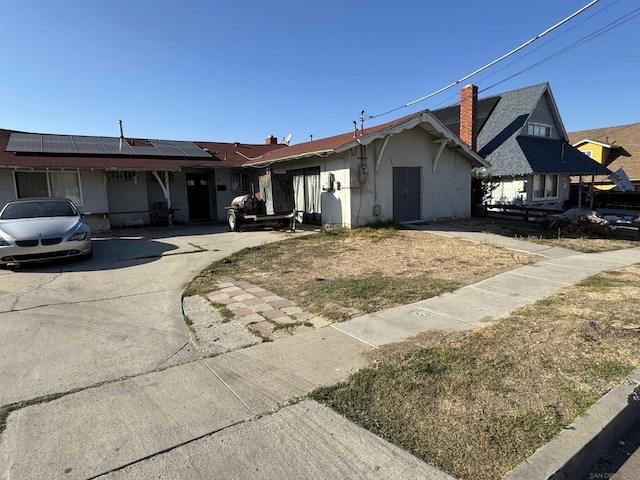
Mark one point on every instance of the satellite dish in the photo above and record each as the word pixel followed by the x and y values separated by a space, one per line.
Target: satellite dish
pixel 287 139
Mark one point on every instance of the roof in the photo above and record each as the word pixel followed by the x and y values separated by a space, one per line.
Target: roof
pixel 543 154
pixel 219 155
pixel 623 139
pixel 501 119
pixel 345 141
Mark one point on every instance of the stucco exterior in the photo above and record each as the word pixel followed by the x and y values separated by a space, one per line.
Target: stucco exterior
pixel 444 193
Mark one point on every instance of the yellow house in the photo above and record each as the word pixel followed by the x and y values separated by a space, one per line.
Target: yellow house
pixel 596 150
pixel 614 147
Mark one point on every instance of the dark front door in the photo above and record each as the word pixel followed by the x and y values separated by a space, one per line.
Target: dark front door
pixel 406 193
pixel 198 196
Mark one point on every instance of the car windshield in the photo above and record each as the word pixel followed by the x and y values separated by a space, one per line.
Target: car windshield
pixel 38 209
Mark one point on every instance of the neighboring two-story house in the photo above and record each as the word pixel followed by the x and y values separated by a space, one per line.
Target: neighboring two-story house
pixel 520 133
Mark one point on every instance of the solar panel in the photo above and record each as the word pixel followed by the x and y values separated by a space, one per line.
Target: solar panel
pixel 58 144
pixel 91 145
pixel 74 144
pixel 191 149
pixel 146 150
pixel 24 142
pixel 115 145
pixel 168 148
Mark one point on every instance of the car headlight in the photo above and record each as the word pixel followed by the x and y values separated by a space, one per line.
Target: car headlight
pixel 3 242
pixel 78 236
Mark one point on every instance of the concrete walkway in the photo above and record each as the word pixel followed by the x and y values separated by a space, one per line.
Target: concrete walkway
pixel 230 416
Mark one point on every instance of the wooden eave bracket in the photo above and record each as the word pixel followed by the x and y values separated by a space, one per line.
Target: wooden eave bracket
pixel 443 143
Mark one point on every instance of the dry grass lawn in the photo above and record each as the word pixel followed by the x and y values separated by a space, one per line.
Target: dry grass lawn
pixel 476 404
pixel 345 273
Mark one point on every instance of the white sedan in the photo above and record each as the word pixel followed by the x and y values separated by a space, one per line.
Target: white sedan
pixel 38 229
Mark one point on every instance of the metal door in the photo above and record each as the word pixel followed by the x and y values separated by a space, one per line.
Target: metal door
pixel 198 196
pixel 406 193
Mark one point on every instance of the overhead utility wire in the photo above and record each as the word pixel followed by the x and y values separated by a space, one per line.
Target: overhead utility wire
pixel 591 36
pixel 517 49
pixel 522 57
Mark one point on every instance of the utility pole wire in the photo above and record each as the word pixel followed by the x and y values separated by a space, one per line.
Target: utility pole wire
pixel 591 36
pixel 517 49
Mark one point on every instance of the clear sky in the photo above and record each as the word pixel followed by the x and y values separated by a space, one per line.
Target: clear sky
pixel 239 70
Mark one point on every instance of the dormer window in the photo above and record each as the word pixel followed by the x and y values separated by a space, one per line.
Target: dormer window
pixel 539 130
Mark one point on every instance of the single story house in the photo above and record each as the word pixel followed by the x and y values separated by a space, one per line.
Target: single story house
pixel 410 169
pixel 521 134
pixel 125 182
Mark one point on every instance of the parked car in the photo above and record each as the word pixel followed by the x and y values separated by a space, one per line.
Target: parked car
pixel 38 229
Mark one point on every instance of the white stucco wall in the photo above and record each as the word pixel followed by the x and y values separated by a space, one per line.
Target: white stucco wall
pixel 94 199
pixel 128 197
pixel 443 194
pixel 224 197
pixel 7 186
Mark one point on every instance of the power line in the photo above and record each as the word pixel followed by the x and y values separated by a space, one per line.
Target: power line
pixel 591 36
pixel 506 55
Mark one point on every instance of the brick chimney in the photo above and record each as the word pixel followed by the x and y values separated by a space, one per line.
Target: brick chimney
pixel 469 116
pixel 271 140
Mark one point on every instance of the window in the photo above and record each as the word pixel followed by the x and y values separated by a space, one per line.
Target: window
pixel 539 130
pixel 545 186
pixel 588 153
pixel 49 184
pixel 240 182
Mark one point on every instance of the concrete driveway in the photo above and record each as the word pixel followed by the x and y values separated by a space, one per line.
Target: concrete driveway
pixel 70 325
pixel 136 401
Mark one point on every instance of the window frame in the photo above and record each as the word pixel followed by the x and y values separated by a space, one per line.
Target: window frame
pixel 48 177
pixel 545 178
pixel 533 127
pixel 240 182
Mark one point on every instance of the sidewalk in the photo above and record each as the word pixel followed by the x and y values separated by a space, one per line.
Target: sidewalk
pixel 229 415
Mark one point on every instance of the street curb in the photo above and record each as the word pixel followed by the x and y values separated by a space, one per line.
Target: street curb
pixel 575 450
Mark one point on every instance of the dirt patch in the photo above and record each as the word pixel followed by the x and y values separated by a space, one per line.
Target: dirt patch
pixel 340 274
pixel 477 404
pixel 537 233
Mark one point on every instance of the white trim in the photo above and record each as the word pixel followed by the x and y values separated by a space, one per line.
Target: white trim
pixel 586 140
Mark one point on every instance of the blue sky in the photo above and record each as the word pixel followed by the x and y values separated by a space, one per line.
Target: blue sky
pixel 241 70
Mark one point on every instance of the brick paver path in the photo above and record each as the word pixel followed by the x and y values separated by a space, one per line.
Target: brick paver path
pixel 264 312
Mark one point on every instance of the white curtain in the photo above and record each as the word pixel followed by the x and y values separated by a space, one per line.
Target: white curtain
pixel 298 195
pixel 65 184
pixel 312 193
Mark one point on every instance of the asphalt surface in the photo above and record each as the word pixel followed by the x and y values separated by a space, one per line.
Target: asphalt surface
pixel 136 400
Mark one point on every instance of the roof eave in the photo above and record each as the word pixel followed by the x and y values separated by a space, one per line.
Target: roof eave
pixel 424 117
pixel 264 163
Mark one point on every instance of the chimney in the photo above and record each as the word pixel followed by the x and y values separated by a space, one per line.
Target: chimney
pixel 271 140
pixel 469 116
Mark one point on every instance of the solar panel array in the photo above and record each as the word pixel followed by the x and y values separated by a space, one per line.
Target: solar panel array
pixel 73 144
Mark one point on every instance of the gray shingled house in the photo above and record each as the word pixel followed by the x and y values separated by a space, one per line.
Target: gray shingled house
pixel 520 133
